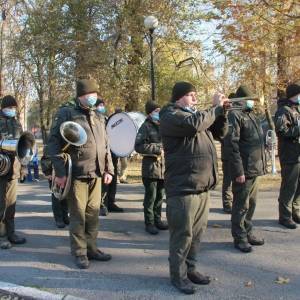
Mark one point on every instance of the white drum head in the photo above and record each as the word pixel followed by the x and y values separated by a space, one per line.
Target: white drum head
pixel 122 129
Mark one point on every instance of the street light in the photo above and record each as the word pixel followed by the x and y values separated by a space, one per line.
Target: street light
pixel 151 23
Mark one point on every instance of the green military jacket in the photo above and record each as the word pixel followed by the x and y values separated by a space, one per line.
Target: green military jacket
pixel 148 143
pixel 288 131
pixel 191 158
pixel 90 160
pixel 247 145
pixel 11 128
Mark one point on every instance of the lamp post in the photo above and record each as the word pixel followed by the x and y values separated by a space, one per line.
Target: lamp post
pixel 151 23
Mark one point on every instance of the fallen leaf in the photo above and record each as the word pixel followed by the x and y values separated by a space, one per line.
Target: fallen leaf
pixel 216 226
pixel 248 284
pixel 282 280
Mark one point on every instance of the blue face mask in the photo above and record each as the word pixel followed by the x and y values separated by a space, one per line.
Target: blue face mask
pixel 249 104
pixel 101 109
pixel 155 116
pixel 9 112
pixel 91 100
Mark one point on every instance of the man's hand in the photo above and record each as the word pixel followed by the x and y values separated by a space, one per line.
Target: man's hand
pixel 240 179
pixel 220 100
pixel 60 181
pixel 107 178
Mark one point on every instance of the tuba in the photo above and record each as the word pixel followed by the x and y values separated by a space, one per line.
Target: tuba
pixel 23 148
pixel 75 135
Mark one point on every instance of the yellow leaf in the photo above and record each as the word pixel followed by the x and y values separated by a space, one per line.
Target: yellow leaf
pixel 282 280
pixel 216 226
pixel 248 284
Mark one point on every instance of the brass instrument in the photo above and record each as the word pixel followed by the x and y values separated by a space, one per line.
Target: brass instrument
pixel 23 148
pixel 75 135
pixel 271 142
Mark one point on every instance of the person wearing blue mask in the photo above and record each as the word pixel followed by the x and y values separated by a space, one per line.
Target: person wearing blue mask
pixel 91 164
pixel 287 124
pixel 148 143
pixel 247 163
pixel 10 128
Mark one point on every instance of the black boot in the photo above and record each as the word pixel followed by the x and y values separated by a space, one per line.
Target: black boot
pixel 184 286
pixel 290 224
pixel 198 278
pixel 161 225
pixel 16 239
pixel 243 246
pixel 150 228
pixel 115 208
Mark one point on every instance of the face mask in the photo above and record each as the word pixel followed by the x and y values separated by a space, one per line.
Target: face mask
pixel 297 100
pixel 249 104
pixel 155 116
pixel 101 109
pixel 9 112
pixel 89 101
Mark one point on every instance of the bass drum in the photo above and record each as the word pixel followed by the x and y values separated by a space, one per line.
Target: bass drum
pixel 122 129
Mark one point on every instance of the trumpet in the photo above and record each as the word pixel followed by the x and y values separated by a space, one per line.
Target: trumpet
pixel 75 135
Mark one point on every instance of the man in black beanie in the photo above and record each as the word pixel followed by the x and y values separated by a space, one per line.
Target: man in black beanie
pixel 90 164
pixel 287 123
pixel 247 163
pixel 191 171
pixel 148 143
pixel 10 128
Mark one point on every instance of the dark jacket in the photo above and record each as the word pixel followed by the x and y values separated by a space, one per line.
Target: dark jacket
pixel 190 154
pixel 246 140
pixel 148 143
pixel 11 128
pixel 288 131
pixel 90 160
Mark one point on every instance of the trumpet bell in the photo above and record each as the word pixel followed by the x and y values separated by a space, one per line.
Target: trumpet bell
pixel 73 133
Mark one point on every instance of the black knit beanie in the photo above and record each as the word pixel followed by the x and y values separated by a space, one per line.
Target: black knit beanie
pixel 86 86
pixel 150 107
pixel 8 101
pixel 243 91
pixel 292 90
pixel 180 89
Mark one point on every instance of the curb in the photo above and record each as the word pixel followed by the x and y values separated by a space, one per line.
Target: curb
pixel 32 293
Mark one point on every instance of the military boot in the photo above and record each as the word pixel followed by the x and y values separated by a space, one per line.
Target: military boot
pixel 243 246
pixel 161 225
pixel 255 241
pixel 82 262
pixel 16 239
pixel 296 219
pixel 99 255
pixel 198 278
pixel 290 224
pixel 184 286
pixel 150 228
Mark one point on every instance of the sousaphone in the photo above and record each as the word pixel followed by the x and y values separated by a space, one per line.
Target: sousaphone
pixel 75 135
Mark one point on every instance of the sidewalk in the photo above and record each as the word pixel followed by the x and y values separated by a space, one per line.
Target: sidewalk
pixel 139 268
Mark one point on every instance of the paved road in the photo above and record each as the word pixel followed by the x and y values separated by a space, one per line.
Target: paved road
pixel 139 269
